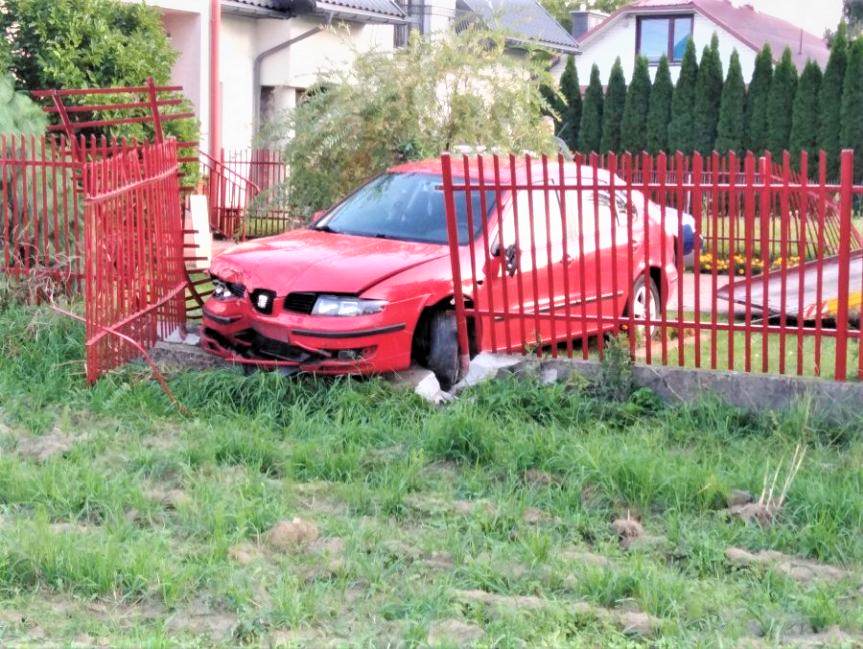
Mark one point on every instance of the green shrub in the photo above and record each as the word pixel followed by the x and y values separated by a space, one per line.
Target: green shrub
pixel 433 95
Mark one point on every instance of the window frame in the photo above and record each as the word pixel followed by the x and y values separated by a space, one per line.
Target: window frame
pixel 669 48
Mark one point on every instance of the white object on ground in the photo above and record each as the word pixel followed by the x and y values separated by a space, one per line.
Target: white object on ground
pixel 198 219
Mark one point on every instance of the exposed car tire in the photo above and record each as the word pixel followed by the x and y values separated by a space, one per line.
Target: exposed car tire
pixel 442 358
pixel 644 300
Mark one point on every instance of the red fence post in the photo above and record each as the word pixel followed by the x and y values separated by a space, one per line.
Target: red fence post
pixel 455 262
pixel 846 196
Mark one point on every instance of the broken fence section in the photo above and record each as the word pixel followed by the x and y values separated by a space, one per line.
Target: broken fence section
pixel 134 262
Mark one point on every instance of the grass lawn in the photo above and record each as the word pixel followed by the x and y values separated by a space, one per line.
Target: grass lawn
pixel 487 522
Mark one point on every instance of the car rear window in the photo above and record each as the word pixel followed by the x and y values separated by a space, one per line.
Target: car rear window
pixel 405 206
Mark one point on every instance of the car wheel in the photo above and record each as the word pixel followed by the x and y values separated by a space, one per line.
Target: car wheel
pixel 442 356
pixel 644 302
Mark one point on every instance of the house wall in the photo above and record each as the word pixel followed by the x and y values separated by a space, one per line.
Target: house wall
pixel 619 40
pixel 287 72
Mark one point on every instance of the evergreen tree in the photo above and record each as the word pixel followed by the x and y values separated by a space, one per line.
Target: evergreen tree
pixel 590 132
pixel 756 118
pixel 659 113
pixel 571 91
pixel 851 134
pixel 681 131
pixel 633 131
pixel 708 94
pixel 612 112
pixel 804 117
pixel 830 101
pixel 781 104
pixel 729 131
pixel 554 105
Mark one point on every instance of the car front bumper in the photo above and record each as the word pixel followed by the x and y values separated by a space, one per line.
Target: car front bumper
pixel 235 331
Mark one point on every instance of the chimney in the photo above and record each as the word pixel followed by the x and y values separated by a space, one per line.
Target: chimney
pixel 584 19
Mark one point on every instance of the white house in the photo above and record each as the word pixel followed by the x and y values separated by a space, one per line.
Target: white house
pixel 652 28
pixel 271 51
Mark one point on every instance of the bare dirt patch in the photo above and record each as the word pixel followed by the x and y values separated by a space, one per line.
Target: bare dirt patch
pixel 169 498
pixel 585 557
pixel 455 632
pixel 43 447
pixel 629 621
pixel 802 570
pixel 288 536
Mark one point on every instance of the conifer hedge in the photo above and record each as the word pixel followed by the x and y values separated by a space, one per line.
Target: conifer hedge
pixel 776 111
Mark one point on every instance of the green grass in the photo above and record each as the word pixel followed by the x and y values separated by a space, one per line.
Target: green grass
pixel 131 536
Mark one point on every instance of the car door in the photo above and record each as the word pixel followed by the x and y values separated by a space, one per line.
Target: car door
pixel 520 283
pixel 597 260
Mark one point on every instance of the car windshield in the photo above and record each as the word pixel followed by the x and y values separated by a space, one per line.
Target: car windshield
pixel 405 206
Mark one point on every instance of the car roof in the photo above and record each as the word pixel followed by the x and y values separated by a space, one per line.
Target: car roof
pixel 520 165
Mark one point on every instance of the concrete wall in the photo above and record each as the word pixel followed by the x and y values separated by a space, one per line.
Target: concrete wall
pixel 619 40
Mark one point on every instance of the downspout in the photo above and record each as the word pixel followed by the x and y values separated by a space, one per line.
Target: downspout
pixel 259 61
pixel 215 89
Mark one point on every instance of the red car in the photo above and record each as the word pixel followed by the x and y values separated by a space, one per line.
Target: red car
pixel 368 287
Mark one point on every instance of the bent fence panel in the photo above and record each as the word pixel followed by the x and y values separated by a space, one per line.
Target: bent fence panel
pixel 555 257
pixel 134 262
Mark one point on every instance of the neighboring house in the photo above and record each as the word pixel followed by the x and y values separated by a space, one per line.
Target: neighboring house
pixel 272 51
pixel 526 21
pixel 655 27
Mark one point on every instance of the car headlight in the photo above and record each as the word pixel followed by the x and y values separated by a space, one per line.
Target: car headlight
pixel 335 305
pixel 223 290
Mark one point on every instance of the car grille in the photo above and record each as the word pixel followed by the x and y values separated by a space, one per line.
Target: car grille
pixel 300 302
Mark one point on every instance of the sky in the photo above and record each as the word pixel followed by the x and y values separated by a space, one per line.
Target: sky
pixel 814 16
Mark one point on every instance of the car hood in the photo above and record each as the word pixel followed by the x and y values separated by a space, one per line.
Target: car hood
pixel 322 262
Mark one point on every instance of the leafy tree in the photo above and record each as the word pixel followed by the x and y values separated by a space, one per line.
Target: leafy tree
pixel 830 101
pixel 560 8
pixel 708 94
pixel 729 131
pixel 681 131
pixel 412 103
pixel 612 113
pixel 18 113
pixel 659 113
pixel 571 91
pixel 852 12
pixel 757 116
pixel 88 44
pixel 633 130
pixel 804 117
pixel 590 133
pixel 851 135
pixel 781 103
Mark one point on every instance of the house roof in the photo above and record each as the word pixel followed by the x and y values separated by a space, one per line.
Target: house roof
pixel 749 26
pixel 526 20
pixel 383 10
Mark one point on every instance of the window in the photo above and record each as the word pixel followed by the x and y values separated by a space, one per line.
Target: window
pixel 547 231
pixel 406 207
pixel 593 214
pixel 667 36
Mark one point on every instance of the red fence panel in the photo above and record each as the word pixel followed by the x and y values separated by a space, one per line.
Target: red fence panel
pixel 41 212
pixel 135 272
pixel 731 262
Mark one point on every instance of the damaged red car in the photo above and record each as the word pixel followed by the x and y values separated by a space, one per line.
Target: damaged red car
pixel 368 288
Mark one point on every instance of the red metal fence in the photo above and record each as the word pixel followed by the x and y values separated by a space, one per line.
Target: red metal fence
pixel 552 257
pixel 40 211
pixel 134 261
pixel 247 194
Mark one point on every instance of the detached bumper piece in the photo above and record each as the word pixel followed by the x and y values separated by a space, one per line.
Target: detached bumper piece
pixel 251 345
